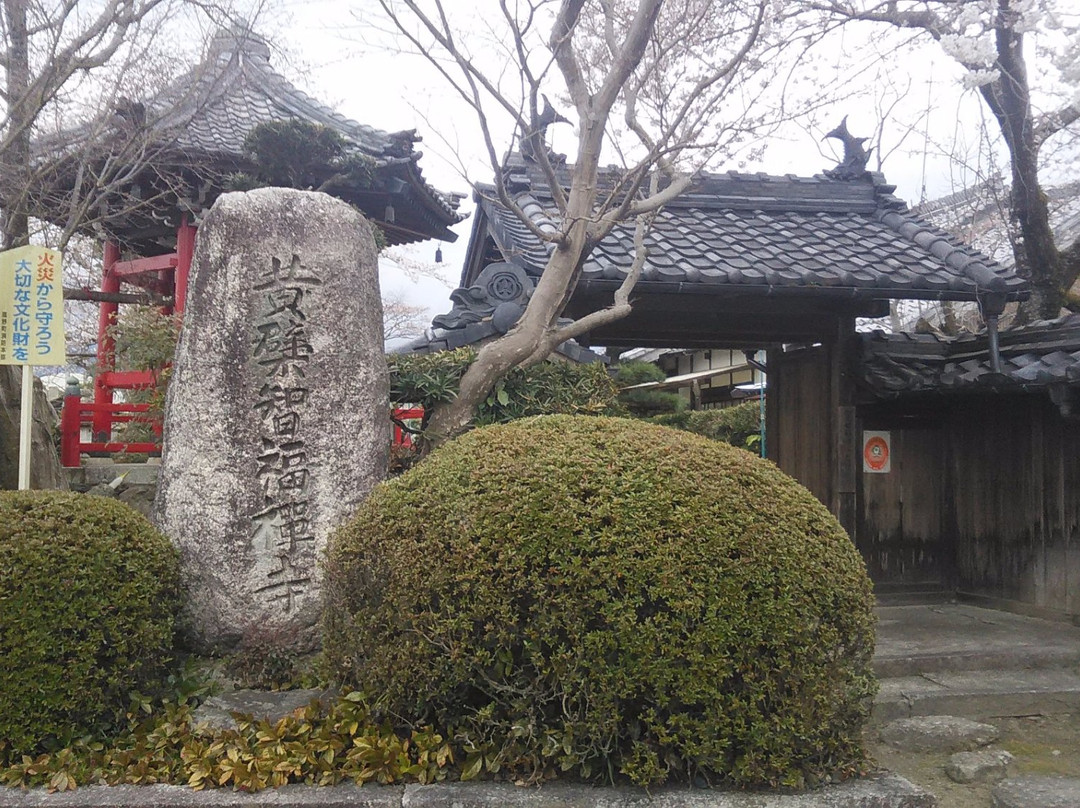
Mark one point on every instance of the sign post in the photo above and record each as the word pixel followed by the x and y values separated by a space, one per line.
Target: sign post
pixel 31 327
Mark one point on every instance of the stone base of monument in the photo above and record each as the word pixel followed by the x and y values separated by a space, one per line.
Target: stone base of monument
pixel 881 791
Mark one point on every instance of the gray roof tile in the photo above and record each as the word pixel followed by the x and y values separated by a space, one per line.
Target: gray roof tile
pixel 779 232
pixel 203 118
pixel 1031 357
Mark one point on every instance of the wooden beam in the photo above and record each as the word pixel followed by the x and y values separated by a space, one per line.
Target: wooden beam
pixel 142 266
pixel 144 299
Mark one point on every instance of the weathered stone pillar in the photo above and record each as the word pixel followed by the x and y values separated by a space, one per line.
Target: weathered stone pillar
pixel 277 415
pixel 45 469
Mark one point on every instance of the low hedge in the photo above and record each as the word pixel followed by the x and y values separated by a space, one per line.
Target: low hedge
pixel 88 594
pixel 734 425
pixel 548 388
pixel 605 596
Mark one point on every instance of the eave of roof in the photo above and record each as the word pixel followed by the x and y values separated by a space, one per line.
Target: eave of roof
pixel 761 234
pixel 1033 357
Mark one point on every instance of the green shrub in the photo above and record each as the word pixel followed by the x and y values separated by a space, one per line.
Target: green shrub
pixel 648 402
pixel 602 596
pixel 548 388
pixel 88 594
pixel 734 425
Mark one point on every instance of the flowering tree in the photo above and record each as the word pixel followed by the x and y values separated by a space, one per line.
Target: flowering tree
pixel 990 39
pixel 661 86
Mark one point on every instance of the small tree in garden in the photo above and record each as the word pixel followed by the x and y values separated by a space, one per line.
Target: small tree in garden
pixel 664 85
pixel 645 403
pixel 145 339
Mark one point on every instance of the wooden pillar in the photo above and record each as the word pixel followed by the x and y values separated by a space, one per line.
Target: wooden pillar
pixel 106 347
pixel 70 427
pixel 844 446
pixel 185 248
pixel 773 381
pixel 167 285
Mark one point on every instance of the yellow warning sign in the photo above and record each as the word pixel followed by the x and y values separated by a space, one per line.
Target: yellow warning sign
pixel 31 307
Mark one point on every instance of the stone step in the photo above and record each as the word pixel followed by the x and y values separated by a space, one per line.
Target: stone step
pixel 986 659
pixel 917 598
pixel 912 594
pixel 883 791
pixel 980 694
pixel 916 640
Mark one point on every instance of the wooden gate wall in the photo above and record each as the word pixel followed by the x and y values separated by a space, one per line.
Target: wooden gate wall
pixel 984 493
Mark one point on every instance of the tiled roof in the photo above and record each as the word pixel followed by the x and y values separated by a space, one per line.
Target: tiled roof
pixel 755 232
pixel 980 216
pixel 237 89
pixel 1035 356
pixel 192 132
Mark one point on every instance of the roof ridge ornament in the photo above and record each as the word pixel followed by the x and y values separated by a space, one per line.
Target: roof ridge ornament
pixel 536 138
pixel 853 166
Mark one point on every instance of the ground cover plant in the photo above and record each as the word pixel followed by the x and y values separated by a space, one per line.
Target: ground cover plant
pixel 161 742
pixel 88 597
pixel 607 598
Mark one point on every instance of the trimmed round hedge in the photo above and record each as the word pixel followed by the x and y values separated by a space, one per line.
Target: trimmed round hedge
pixel 89 591
pixel 603 596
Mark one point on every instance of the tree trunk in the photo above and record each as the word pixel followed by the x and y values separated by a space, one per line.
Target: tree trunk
pixel 15 158
pixel 1037 257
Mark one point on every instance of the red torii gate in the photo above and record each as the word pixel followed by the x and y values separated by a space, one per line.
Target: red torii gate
pixel 166 275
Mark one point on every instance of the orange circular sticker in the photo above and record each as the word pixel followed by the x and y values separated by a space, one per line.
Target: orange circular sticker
pixel 876 453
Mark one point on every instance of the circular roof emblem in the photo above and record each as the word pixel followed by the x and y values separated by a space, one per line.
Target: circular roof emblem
pixel 505 286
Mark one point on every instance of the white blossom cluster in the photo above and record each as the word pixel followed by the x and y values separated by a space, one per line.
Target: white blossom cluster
pixel 969 35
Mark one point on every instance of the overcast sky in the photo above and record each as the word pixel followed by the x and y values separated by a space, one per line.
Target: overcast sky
pixel 334 53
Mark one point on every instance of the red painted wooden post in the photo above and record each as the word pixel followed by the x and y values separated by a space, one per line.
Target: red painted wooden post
pixel 103 394
pixel 70 430
pixel 185 248
pixel 167 281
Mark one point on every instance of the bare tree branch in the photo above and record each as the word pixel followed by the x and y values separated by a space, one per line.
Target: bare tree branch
pixel 1051 123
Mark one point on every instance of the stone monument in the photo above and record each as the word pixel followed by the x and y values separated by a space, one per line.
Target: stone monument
pixel 277 415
